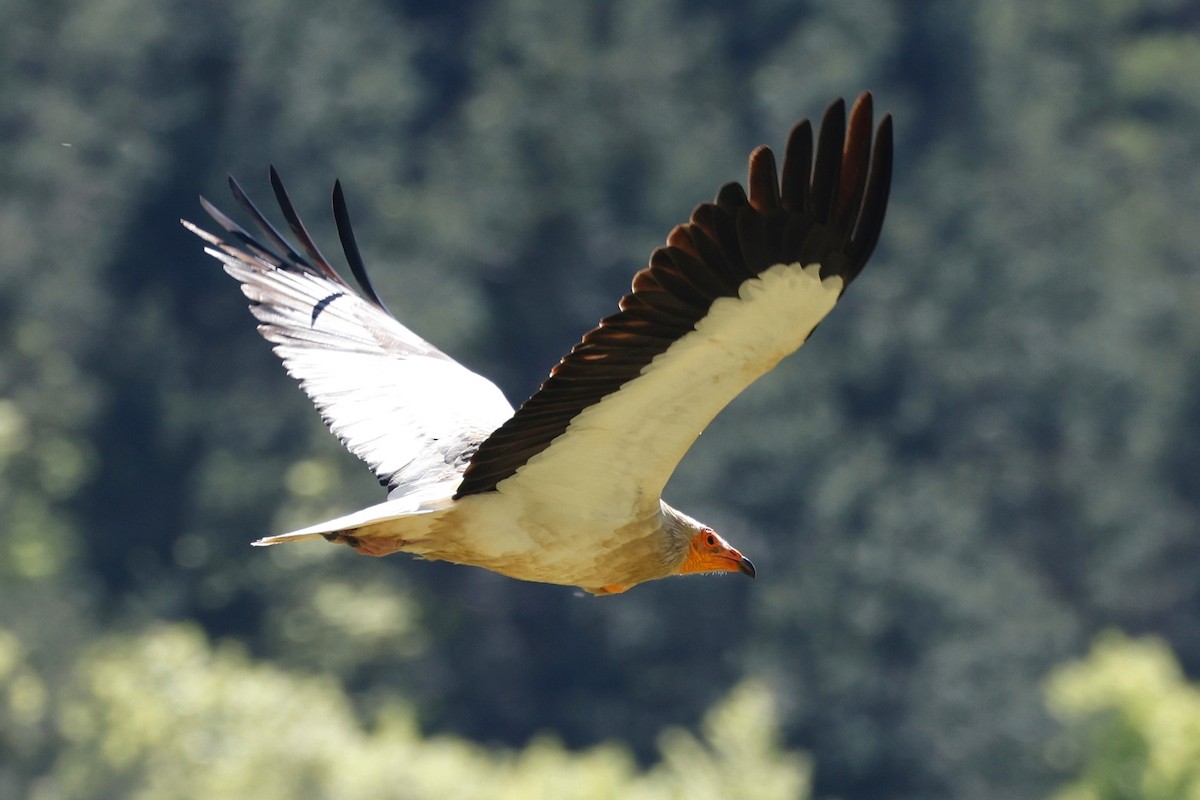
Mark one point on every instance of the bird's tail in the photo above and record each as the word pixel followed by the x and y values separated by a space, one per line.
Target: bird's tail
pixel 370 521
pixel 280 538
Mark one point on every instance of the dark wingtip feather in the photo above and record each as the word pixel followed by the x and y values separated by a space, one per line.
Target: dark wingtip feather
pixel 341 217
pixel 763 180
pixel 828 165
pixel 875 198
pixel 218 216
pixel 731 196
pixel 265 227
pixel 856 153
pixel 236 231
pixel 797 166
pixel 299 230
pixel 276 244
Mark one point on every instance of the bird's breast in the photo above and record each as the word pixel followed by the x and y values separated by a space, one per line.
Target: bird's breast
pixel 527 540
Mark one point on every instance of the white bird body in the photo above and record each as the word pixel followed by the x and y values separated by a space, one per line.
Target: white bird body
pixel 533 520
pixel 524 539
pixel 567 489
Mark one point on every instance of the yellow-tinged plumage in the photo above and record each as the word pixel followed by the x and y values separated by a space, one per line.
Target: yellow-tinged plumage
pixel 567 488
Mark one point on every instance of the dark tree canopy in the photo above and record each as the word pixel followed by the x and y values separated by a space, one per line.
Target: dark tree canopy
pixel 986 455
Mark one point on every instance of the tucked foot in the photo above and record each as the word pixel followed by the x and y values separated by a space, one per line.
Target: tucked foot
pixel 373 546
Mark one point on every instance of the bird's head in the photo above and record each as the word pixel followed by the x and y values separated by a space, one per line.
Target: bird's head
pixel 708 552
pixel 705 550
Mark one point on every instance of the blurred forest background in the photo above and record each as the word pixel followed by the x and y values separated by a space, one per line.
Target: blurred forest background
pixel 974 498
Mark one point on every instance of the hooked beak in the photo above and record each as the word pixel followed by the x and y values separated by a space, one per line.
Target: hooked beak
pixel 733 561
pixel 710 553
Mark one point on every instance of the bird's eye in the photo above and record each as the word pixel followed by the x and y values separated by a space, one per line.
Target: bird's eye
pixel 711 540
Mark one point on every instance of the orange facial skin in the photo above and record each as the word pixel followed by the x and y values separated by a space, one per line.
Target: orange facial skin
pixel 708 552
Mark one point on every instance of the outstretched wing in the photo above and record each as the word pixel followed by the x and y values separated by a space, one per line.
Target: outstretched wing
pixel 397 402
pixel 734 291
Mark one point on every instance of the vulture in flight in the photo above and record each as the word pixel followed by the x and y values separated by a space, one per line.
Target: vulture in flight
pixel 566 489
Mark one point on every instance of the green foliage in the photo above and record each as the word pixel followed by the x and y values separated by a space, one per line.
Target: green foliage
pixel 162 716
pixel 1132 721
pixel 987 453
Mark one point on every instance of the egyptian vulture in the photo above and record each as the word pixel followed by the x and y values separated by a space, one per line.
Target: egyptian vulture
pixel 566 489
